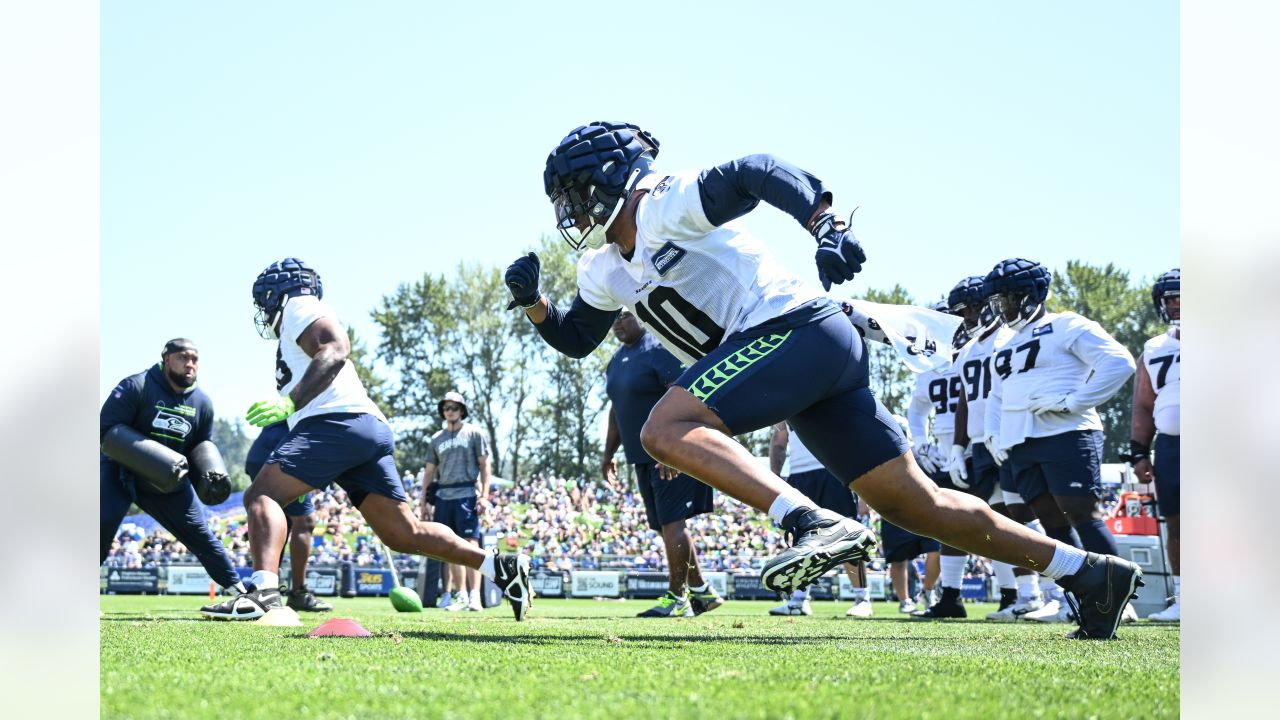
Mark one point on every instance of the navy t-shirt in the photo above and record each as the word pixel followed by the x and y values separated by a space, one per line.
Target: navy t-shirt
pixel 637 377
pixel 147 403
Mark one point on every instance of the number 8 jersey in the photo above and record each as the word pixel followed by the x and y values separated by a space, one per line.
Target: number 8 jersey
pixel 690 282
pixel 1060 354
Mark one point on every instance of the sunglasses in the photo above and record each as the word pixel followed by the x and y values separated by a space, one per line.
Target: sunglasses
pixel 453 408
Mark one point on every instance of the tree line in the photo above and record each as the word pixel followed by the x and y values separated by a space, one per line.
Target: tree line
pixel 541 410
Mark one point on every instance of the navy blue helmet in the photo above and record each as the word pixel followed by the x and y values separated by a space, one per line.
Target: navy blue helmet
pixel 971 294
pixel 288 278
pixel 1168 285
pixel 590 174
pixel 1016 290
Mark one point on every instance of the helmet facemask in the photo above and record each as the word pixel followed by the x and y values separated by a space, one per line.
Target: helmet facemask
pixel 1014 309
pixel 576 208
pixel 1162 308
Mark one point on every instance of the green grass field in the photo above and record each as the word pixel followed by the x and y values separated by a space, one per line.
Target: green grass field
pixel 594 659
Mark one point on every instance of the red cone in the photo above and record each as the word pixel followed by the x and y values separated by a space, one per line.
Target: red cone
pixel 340 627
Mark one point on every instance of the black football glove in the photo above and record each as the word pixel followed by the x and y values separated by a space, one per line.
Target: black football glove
pixel 522 281
pixel 839 255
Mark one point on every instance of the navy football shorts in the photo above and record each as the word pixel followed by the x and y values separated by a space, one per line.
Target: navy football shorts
pixel 354 450
pixel 459 515
pixel 269 439
pixel 824 489
pixel 1065 464
pixel 1167 459
pixel 808 367
pixel 901 544
pixel 668 501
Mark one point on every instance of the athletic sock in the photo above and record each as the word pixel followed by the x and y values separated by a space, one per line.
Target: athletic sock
pixel 699 589
pixel 1004 574
pixel 787 501
pixel 1066 561
pixel 1028 586
pixel 860 594
pixel 475 596
pixel 265 580
pixel 799 596
pixel 486 566
pixel 952 575
pixel 1096 537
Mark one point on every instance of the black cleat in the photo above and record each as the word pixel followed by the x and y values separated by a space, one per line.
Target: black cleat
pixel 949 606
pixel 824 539
pixel 1008 596
pixel 245 606
pixel 303 600
pixel 511 575
pixel 1102 588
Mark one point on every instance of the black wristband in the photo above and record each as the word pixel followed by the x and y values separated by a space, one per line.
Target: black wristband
pixel 1138 451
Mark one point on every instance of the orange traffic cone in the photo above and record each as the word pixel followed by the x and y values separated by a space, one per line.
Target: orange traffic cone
pixel 213 590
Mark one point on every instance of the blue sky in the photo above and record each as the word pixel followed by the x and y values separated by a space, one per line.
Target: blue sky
pixel 381 143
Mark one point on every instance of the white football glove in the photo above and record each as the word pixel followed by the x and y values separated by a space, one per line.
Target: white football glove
pixel 956 467
pixel 1052 403
pixel 924 458
pixel 993 447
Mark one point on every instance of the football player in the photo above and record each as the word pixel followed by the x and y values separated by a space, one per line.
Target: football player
pixel 937 393
pixel 762 347
pixel 1050 372
pixel 336 435
pixel 1157 411
pixel 978 473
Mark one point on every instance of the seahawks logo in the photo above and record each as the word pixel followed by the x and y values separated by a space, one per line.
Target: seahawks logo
pixel 663 186
pixel 171 423
pixel 667 257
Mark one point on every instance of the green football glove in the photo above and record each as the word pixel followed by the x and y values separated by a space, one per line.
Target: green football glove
pixel 271 410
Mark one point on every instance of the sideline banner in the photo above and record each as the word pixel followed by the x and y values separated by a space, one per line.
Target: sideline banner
pixel 373 581
pixel 188 580
pixel 595 583
pixel 877 583
pixel 546 584
pixel 125 581
pixel 748 587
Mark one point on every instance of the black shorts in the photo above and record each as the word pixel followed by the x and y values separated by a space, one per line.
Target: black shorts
pixel 668 501
pixel 1167 461
pixel 900 544
pixel 824 489
pixel 808 367
pixel 1066 464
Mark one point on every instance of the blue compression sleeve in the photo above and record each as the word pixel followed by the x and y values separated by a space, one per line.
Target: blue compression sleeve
pixel 576 332
pixel 734 189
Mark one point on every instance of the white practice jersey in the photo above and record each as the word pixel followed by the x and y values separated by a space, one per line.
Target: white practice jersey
pixel 1163 357
pixel 798 456
pixel 938 393
pixel 690 282
pixel 1061 354
pixel 974 365
pixel 345 394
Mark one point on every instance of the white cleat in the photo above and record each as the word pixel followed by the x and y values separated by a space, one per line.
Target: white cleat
pixel 793 608
pixel 1005 614
pixel 1025 605
pixel 1128 615
pixel 861 608
pixel 456 606
pixel 1173 613
pixel 907 607
pixel 1053 611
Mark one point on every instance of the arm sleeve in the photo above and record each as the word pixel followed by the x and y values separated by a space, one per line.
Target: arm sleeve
pixel 734 189
pixel 120 407
pixel 1111 366
pixel 918 413
pixel 576 332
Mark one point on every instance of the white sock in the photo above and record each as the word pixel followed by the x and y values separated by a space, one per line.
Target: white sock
pixel 1177 587
pixel 265 580
pixel 860 594
pixel 1066 561
pixel 486 566
pixel 952 575
pixel 799 596
pixel 475 596
pixel 787 501
pixel 1028 586
pixel 1004 574
pixel 699 589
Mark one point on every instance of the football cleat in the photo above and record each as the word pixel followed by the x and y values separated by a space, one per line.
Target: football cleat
pixel 861 608
pixel 824 539
pixel 1102 588
pixel 458 605
pixel 475 605
pixel 907 607
pixel 1129 615
pixel 511 575
pixel 1054 611
pixel 670 605
pixel 303 600
pixel 948 607
pixel 792 607
pixel 245 606
pixel 1173 613
pixel 705 601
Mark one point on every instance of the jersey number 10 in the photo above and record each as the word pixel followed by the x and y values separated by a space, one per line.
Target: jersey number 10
pixel 675 319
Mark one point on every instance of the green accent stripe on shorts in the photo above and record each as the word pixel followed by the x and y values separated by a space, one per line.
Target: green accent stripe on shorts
pixel 727 369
